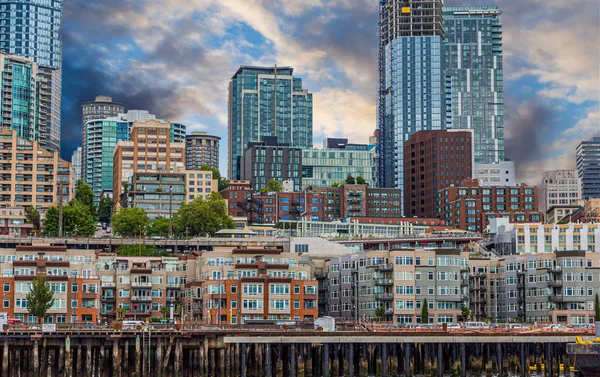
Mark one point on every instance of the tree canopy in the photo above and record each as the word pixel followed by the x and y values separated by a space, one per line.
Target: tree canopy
pixel 129 222
pixel 104 211
pixel 203 216
pixel 425 312
pixel 272 186
pixel 85 195
pixel 32 216
pixel 140 250
pixel 159 227
pixel 40 298
pixel 360 180
pixel 77 220
pixel 597 308
pixel 350 180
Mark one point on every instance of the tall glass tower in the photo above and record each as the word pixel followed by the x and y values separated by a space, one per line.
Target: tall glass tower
pixel 31 28
pixel 267 101
pixel 474 78
pixel 410 79
pixel 588 167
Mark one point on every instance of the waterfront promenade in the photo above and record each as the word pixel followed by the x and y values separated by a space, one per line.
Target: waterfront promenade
pixel 199 350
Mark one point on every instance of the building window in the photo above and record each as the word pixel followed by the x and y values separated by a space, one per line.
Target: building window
pixel 6 287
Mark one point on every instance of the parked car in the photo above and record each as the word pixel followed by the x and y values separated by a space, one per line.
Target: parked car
pixel 555 327
pixel 475 325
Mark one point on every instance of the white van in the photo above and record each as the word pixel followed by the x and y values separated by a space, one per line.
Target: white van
pixel 134 325
pixel 475 325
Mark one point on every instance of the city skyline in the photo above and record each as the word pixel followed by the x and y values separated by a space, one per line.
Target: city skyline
pixel 335 54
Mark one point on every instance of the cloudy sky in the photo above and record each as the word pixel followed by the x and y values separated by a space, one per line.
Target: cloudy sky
pixel 175 58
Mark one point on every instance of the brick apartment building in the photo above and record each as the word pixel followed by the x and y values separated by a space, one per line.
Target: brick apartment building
pixel 470 207
pixel 253 283
pixel 434 160
pixel 318 204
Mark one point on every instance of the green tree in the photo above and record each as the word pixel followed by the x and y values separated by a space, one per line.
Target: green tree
pixel 159 227
pixel 350 180
pixel 272 186
pixel 123 200
pixel 597 308
pixel 140 250
pixel 360 180
pixel 466 313
pixel 129 222
pixel 203 216
pixel 85 195
pixel 32 216
pixel 425 312
pixel 40 298
pixel 166 311
pixel 336 184
pixel 379 313
pixel 77 220
pixel 121 313
pixel 104 209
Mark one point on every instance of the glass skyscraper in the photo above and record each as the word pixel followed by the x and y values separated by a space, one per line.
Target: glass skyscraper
pixel 411 93
pixel 588 167
pixel 267 101
pixel 20 103
pixel 31 28
pixel 474 77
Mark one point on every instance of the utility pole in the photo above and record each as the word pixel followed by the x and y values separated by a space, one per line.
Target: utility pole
pixel 60 210
pixel 170 212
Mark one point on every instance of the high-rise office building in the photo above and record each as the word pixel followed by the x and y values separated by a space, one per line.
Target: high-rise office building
pixel 267 101
pixel 588 167
pixel 150 149
pixel 496 174
pixel 559 188
pixel 20 101
pixel 474 77
pixel 434 160
pixel 31 28
pixel 410 79
pixel 201 149
pixel 76 160
pixel 101 107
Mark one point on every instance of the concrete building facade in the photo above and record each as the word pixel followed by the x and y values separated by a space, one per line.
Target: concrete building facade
pixel 29 176
pixel 559 188
pixel 546 238
pixel 201 149
pixel 434 160
pixel 497 174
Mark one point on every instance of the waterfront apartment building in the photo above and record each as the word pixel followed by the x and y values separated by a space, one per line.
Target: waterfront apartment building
pixel 474 77
pixel 471 207
pixel 201 149
pixel 32 29
pixel 589 212
pixel 399 281
pixel 497 174
pixel 559 188
pixel 546 238
pixel 29 176
pixel 557 213
pixel 411 80
pixel 588 167
pixel 267 101
pixel 20 99
pixel 336 161
pixel 434 160
pixel 254 283
pixel 270 159
pixel 71 276
pixel 153 147
pixel 144 286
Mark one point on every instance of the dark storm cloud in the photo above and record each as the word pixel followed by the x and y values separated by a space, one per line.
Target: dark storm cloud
pixel 525 125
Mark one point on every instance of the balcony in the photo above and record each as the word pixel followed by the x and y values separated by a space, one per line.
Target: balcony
pixel 556 269
pixel 556 284
pixel 384 282
pixel 384 296
pixel 556 298
pixel 108 284
pixel 141 298
pixel 141 284
pixel 389 311
pixel 384 267
pixel 173 285
pixel 141 270
pixel 108 298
